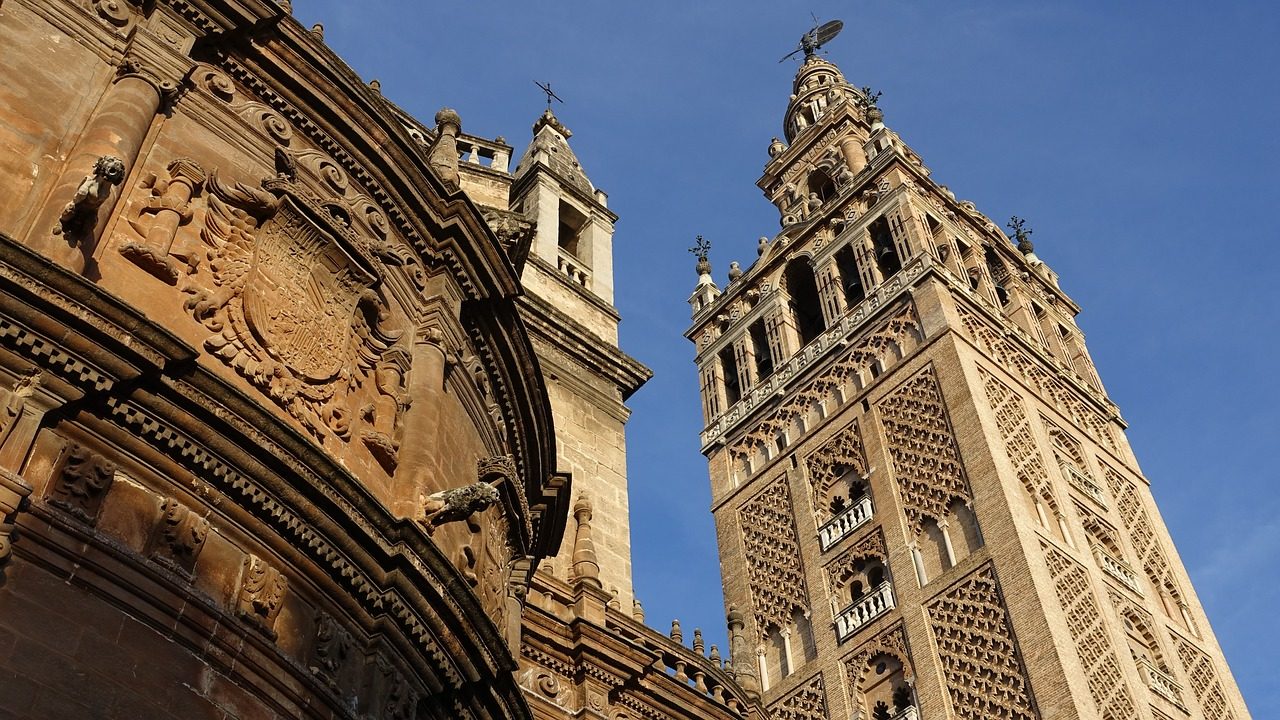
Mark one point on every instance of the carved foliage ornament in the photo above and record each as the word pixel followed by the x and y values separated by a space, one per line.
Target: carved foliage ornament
pixel 82 482
pixel 290 293
pixel 262 590
pixel 179 536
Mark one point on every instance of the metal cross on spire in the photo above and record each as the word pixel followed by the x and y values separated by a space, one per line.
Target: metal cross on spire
pixel 550 93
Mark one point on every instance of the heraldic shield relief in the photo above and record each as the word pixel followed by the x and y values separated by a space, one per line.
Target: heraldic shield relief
pixel 291 295
pixel 301 293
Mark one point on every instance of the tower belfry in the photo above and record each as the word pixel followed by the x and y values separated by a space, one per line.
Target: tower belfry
pixel 574 326
pixel 925 501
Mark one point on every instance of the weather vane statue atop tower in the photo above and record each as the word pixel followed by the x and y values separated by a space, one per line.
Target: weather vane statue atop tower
pixel 817 36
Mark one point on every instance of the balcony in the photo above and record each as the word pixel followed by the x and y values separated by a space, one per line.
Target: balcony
pixel 845 523
pixel 1160 683
pixel 1117 569
pixel 573 268
pixel 863 611
pixel 908 713
pixel 1081 481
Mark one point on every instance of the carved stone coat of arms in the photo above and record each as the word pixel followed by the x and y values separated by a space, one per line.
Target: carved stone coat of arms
pixel 290 293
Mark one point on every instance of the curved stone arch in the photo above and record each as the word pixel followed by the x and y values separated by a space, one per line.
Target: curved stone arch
pixel 872 547
pixel 1142 623
pixel 892 643
pixel 841 453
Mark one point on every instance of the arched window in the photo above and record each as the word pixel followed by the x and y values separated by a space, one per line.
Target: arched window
pixel 883 687
pixel 805 306
pixel 999 274
pixel 886 255
pixel 821 184
pixel 572 223
pixel 760 348
pixel 729 366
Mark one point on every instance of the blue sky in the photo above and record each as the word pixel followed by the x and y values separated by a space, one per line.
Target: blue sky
pixel 1139 138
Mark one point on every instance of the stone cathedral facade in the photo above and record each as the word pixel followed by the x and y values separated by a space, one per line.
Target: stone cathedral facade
pixel 925 501
pixel 308 409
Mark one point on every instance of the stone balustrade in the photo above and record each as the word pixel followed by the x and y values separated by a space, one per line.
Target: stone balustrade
pixel 1081 481
pixel 1117 569
pixel 573 268
pixel 908 713
pixel 864 610
pixel 1160 682
pixel 691 668
pixel 492 154
pixel 845 523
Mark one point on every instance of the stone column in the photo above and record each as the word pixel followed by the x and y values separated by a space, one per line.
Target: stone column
pixel 117 129
pixel 831 292
pixel 425 388
pixel 855 156
pixel 146 79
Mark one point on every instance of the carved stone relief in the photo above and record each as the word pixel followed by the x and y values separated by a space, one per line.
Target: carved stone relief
pixel 178 537
pixel 163 210
pixel 262 590
pixel 81 482
pixel 331 649
pixel 289 292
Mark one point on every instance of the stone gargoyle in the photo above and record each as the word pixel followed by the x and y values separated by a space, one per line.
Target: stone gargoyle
pixel 457 504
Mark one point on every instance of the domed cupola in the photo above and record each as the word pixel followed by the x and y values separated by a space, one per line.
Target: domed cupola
pixel 819 86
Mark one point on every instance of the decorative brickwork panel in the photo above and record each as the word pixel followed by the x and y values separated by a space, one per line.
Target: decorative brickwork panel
pixel 840 454
pixel 807 702
pixel 926 461
pixel 1138 524
pixel 1052 389
pixel 984 674
pixel 1204 680
pixel 1084 619
pixel 894 340
pixel 1019 443
pixel 773 556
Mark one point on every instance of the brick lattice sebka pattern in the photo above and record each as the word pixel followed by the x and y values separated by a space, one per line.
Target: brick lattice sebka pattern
pixel 773 557
pixel 925 459
pixel 984 675
pixel 1084 620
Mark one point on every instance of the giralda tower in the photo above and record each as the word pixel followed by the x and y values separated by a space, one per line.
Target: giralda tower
pixel 925 501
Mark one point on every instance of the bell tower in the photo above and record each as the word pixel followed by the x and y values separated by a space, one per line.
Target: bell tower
pixel 925 502
pixel 568 306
